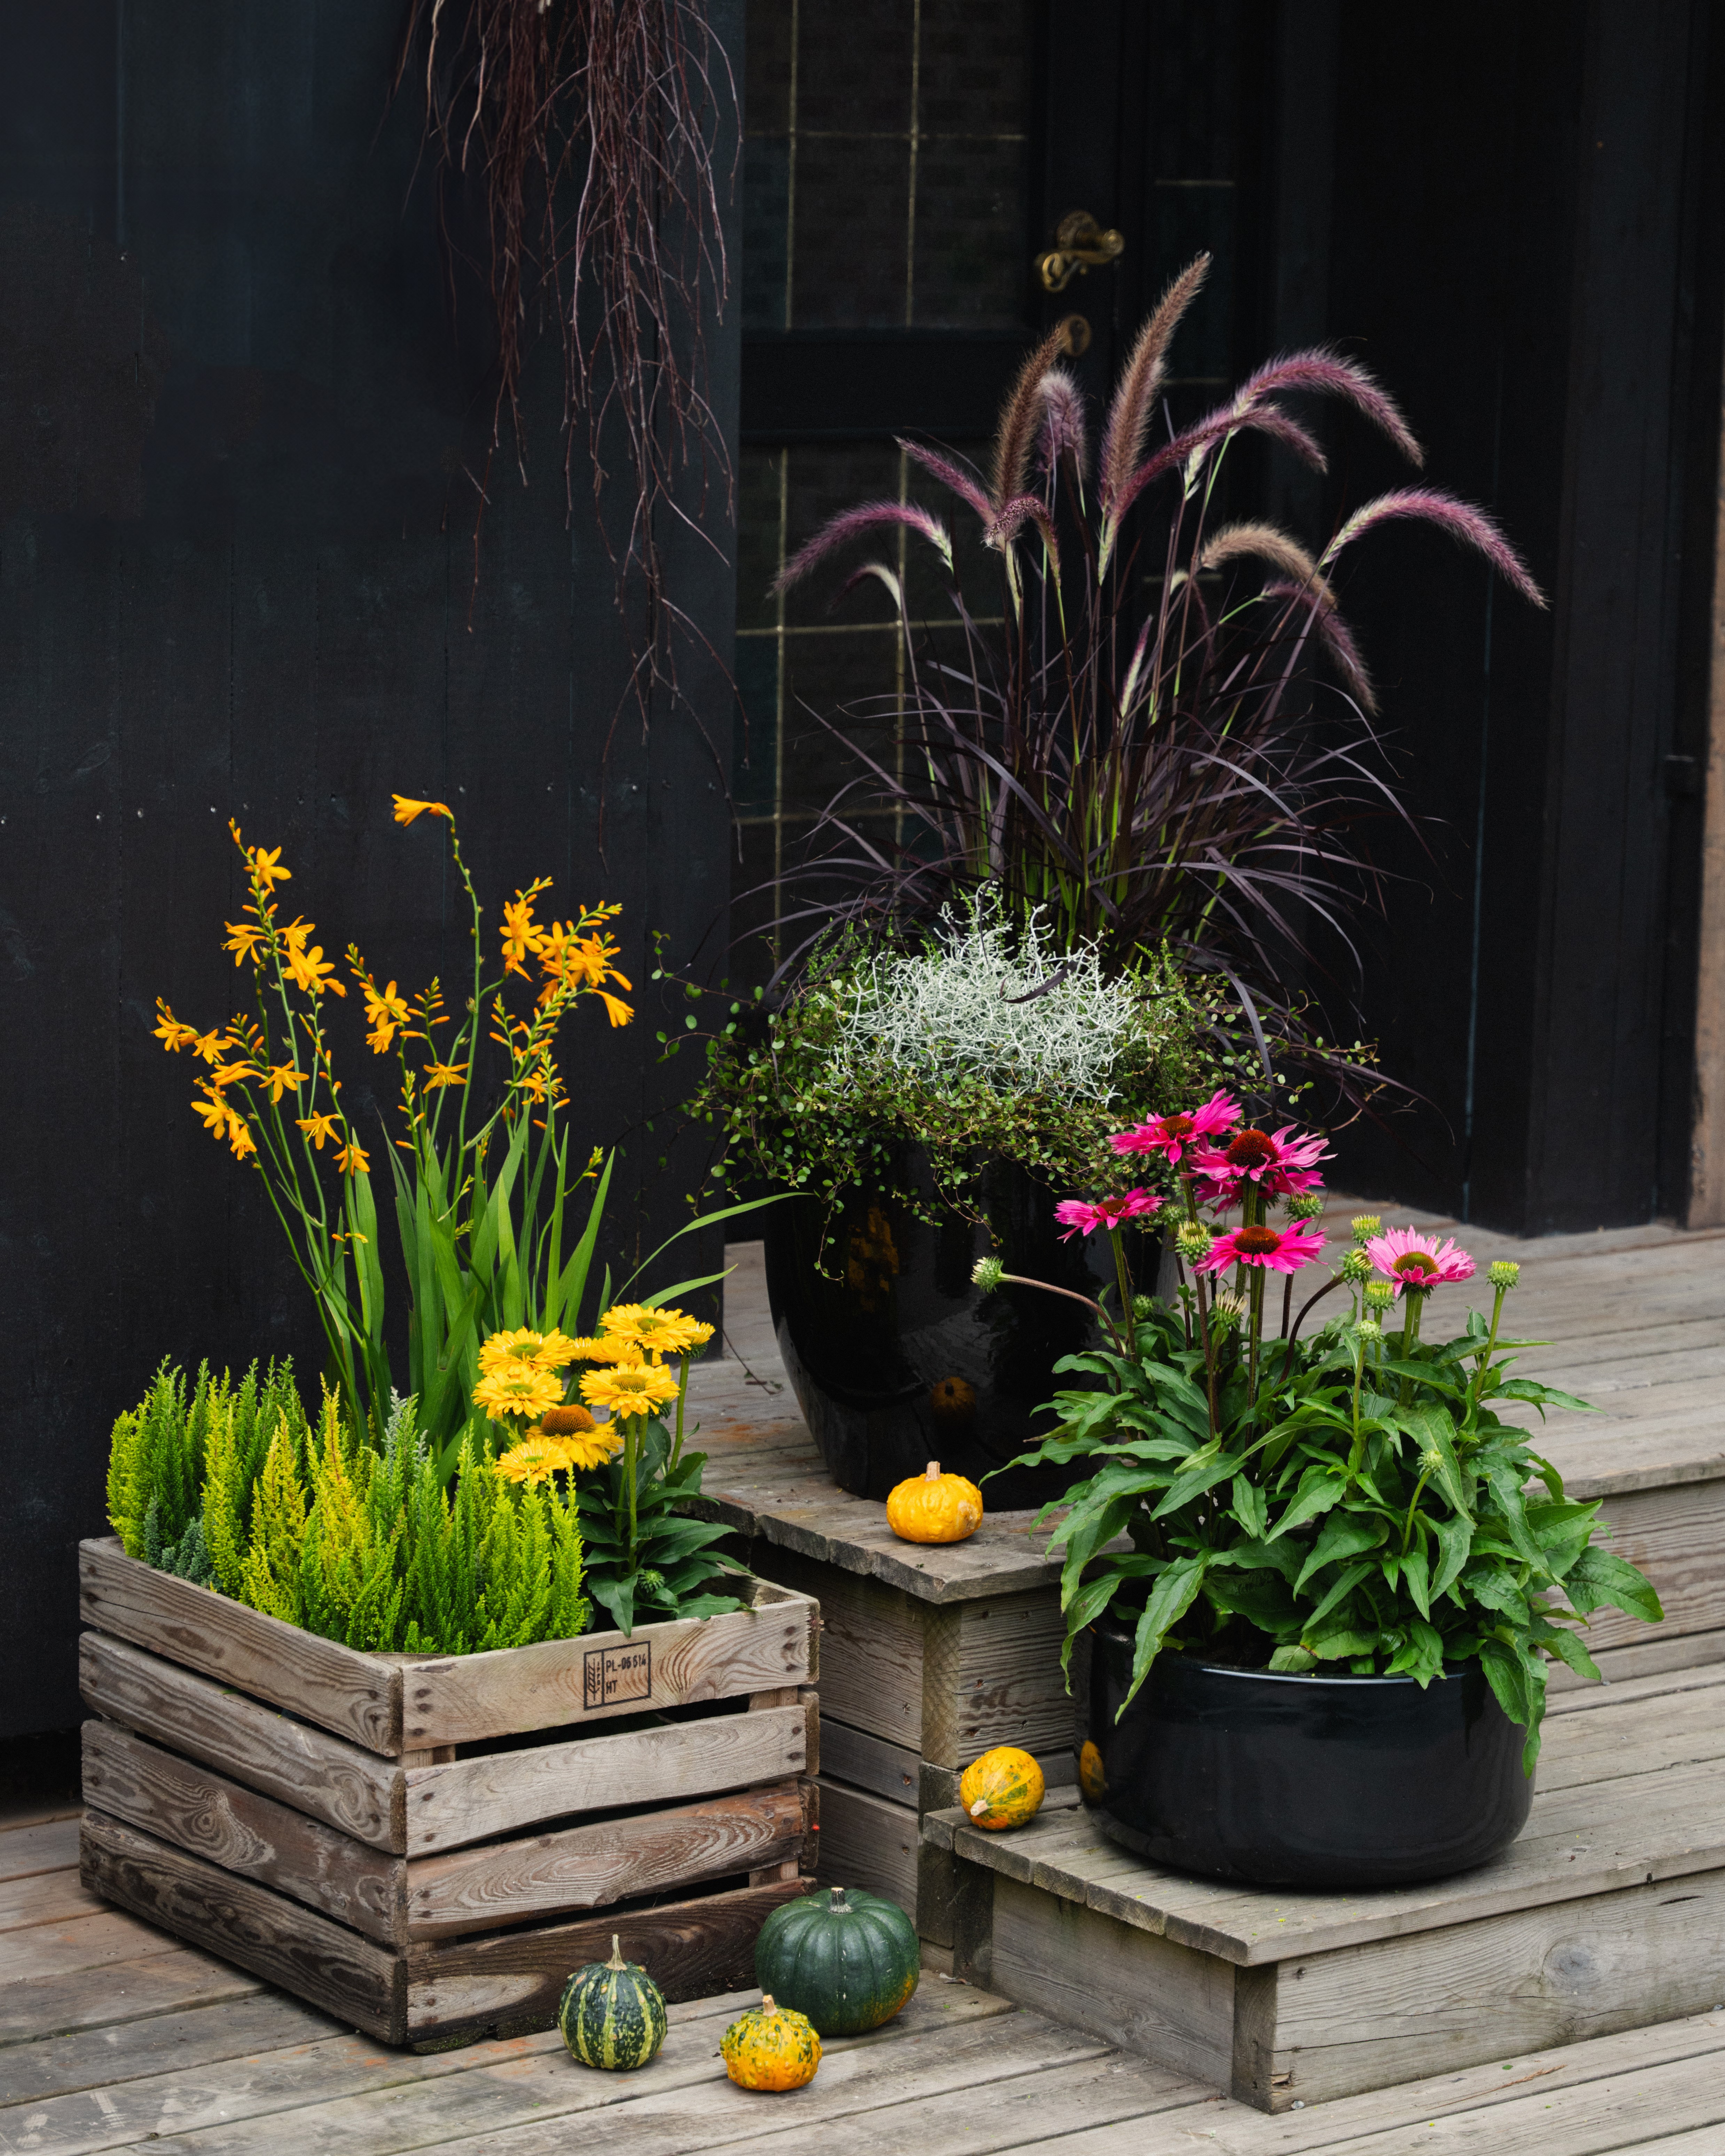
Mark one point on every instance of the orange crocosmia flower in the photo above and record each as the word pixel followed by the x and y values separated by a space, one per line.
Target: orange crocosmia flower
pixel 170 1033
pixel 616 1010
pixel 214 1112
pixel 318 1128
pixel 353 1159
pixel 407 810
pixel 212 1045
pixel 385 1012
pixel 297 934
pixel 521 933
pixel 244 938
pixel 281 1076
pixel 443 1073
pixel 231 1073
pixel 240 1138
pixel 312 971
pixel 265 866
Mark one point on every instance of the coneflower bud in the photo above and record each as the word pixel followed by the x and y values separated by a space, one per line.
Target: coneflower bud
pixel 1379 1294
pixel 1503 1274
pixel 1225 1303
pixel 1369 1329
pixel 1305 1205
pixel 1355 1267
pixel 1142 1307
pixel 1431 1460
pixel 1193 1242
pixel 987 1274
pixel 1367 1224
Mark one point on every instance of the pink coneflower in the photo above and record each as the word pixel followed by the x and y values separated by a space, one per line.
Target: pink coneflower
pixel 1279 1163
pixel 1417 1262
pixel 1080 1219
pixel 1171 1135
pixel 1277 1249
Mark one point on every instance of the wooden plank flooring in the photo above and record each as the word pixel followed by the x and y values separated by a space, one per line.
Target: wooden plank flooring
pixel 138 2043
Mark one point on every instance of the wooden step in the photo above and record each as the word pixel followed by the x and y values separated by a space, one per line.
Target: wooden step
pixel 1608 1913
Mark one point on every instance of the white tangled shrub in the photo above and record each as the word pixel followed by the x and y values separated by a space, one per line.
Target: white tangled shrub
pixel 995 1001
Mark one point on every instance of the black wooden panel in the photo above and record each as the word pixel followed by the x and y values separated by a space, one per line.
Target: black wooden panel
pixel 822 385
pixel 237 443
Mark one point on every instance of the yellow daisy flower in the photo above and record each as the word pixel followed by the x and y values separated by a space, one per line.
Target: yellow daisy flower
pixel 521 1391
pixel 659 1332
pixel 509 1351
pixel 555 1352
pixel 593 1448
pixel 637 1388
pixel 590 1348
pixel 533 1461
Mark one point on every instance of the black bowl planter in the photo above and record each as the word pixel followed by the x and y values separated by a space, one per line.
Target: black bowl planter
pixel 897 1359
pixel 1302 1781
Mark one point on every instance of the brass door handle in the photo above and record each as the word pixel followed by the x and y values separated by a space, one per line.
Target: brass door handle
pixel 1080 245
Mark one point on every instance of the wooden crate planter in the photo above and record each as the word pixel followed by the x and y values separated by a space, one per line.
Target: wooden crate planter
pixel 420 1846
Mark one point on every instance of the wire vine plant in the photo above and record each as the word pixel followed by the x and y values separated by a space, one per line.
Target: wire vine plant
pixel 592 127
pixel 1152 751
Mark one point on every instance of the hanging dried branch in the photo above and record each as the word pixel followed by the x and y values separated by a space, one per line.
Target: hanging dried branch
pixel 592 127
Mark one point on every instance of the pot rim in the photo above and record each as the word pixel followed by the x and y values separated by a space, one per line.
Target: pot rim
pixel 1107 1627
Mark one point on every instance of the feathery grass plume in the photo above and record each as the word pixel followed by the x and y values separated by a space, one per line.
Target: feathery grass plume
pixel 1134 404
pixel 867 516
pixel 1143 770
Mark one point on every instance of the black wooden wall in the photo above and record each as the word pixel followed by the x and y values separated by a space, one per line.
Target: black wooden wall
pixel 237 439
pixel 1523 241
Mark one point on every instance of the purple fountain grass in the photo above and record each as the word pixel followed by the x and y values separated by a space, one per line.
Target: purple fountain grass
pixel 1140 752
pixel 1471 526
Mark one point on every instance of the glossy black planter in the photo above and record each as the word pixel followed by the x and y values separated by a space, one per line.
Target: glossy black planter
pixel 1302 1781
pixel 899 1360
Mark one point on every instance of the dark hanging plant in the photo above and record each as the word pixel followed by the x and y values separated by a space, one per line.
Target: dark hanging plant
pixel 592 127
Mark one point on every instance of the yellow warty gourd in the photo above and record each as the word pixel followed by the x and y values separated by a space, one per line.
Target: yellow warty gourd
pixel 932 1507
pixel 1003 1788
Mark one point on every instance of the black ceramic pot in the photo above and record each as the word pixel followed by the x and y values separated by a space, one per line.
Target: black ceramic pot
pixel 897 1359
pixel 1301 1781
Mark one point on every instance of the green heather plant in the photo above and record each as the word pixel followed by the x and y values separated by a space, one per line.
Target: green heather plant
pixel 232 1486
pixel 1351 1498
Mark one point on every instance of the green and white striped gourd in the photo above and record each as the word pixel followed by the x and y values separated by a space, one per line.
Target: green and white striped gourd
pixel 611 2015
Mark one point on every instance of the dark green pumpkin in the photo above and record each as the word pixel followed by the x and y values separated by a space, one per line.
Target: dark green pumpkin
pixel 849 1961
pixel 612 2014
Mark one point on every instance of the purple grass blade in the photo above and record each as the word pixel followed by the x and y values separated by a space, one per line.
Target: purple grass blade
pixel 1468 526
pixel 851 523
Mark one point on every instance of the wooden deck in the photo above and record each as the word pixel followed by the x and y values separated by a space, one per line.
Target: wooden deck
pixel 112 2037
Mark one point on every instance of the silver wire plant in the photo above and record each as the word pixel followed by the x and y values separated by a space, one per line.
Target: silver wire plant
pixel 1000 1001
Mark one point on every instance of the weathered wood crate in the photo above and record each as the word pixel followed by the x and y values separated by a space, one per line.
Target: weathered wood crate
pixel 418 1845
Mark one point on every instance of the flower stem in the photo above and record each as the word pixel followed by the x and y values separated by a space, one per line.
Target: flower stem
pixel 682 1394
pixel 1123 1282
pixel 1485 1360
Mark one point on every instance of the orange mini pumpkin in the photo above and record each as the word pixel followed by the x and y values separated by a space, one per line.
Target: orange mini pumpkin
pixel 769 2048
pixel 1003 1788
pixel 932 1507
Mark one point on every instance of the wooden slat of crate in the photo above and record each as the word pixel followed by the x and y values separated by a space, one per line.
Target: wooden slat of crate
pixel 511 1982
pixel 341 1784
pixel 448 1807
pixel 203 1812
pixel 324 1963
pixel 614 1860
pixel 392 1704
pixel 356 1695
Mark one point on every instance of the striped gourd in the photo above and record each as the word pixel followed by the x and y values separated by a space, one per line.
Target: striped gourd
pixel 612 2014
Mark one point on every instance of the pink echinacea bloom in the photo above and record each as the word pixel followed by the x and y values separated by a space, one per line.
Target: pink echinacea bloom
pixel 1279 1164
pixel 1079 1217
pixel 1414 1260
pixel 1277 1249
pixel 1171 1134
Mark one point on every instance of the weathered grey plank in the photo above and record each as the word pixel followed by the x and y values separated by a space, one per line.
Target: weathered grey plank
pixel 172 2043
pixel 356 1695
pixel 891 1771
pixel 450 1806
pixel 50 1846
pixel 197 1810
pixel 1620 1691
pixel 466 1699
pixel 872 1676
pixel 263 1931
pixel 156 1978
pixel 867 1842
pixel 589 1867
pixel 1677 1537
pixel 45 1897
pixel 345 1785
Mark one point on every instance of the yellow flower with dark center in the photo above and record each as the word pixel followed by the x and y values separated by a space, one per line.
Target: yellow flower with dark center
pixel 657 1332
pixel 592 1348
pixel 638 1388
pixel 318 1128
pixel 511 1351
pixel 593 1448
pixel 406 810
pixel 353 1159
pixel 534 1460
pixel 443 1073
pixel 523 1391
pixel 244 938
